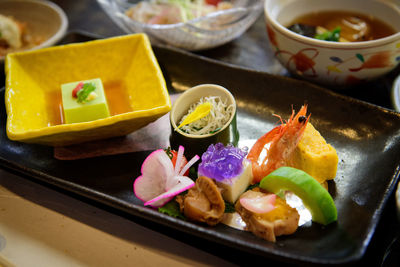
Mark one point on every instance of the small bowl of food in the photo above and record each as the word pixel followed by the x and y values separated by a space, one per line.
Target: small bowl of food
pixel 340 43
pixel 188 24
pixel 30 24
pixel 82 92
pixel 203 115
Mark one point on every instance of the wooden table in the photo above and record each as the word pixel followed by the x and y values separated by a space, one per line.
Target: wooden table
pixel 44 226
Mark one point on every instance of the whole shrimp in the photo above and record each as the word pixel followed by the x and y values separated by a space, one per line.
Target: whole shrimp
pixel 282 141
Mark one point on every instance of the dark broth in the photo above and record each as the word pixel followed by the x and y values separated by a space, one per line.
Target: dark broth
pixel 116 95
pixel 375 28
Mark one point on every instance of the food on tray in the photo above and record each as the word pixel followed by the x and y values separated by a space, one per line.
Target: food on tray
pixel 315 197
pixel 267 215
pixel 297 144
pixel 14 36
pixel 314 156
pixel 174 11
pixel 341 26
pixel 118 100
pixel 84 101
pixel 224 183
pixel 203 202
pixel 161 180
pixel 228 167
pixel 282 142
pixel 213 121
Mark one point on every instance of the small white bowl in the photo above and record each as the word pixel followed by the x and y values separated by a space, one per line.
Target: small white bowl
pixel 42 18
pixel 333 63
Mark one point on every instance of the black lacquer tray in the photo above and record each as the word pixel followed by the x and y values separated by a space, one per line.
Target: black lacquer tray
pixel 367 139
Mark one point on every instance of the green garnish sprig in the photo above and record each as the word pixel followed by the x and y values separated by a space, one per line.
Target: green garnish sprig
pixel 333 36
pixel 169 153
pixel 172 209
pixel 83 94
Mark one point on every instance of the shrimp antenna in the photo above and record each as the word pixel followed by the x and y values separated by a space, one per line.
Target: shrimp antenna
pixel 279 117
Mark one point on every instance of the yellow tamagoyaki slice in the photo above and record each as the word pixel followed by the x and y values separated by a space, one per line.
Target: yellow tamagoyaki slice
pixel 314 156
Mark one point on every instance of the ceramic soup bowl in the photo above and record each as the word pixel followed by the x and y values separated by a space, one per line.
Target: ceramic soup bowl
pixel 333 63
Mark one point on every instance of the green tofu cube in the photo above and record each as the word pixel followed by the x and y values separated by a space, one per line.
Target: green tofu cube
pixel 87 111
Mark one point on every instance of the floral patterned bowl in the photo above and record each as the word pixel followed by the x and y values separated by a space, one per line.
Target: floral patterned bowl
pixel 333 63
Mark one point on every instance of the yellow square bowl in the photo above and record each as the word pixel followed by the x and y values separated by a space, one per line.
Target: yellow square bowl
pixel 133 82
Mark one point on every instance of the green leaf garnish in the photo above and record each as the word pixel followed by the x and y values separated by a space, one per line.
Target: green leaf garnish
pixel 329 35
pixel 229 207
pixel 169 153
pixel 172 209
pixel 85 92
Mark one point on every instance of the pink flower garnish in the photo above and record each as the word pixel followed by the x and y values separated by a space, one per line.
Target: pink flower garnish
pixel 160 181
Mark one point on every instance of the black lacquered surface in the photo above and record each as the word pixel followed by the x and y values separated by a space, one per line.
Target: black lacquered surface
pixel 366 137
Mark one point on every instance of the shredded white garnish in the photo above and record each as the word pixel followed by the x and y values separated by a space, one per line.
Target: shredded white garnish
pixel 219 115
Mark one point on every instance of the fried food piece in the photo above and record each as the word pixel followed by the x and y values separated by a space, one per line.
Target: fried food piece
pixel 203 202
pixel 283 220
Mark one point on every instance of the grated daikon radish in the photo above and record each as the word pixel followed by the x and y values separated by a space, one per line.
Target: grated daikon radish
pixel 219 115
